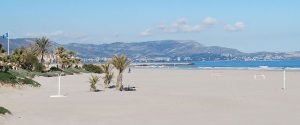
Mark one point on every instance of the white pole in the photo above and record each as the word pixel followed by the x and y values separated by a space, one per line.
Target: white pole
pixel 59 75
pixel 7 43
pixel 284 79
pixel 58 94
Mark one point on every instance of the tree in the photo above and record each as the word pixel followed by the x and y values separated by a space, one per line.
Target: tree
pixel 60 54
pixel 108 75
pixel 3 59
pixel 120 63
pixel 29 60
pixel 17 56
pixel 93 81
pixel 2 50
pixel 66 58
pixel 42 47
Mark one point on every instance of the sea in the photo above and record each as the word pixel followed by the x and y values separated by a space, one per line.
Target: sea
pixel 279 65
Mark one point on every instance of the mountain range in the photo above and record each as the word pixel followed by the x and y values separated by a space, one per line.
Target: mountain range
pixel 162 48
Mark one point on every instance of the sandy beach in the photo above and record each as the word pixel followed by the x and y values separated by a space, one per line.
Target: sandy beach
pixel 163 97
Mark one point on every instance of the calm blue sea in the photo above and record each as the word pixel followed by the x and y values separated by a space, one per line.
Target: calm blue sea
pixel 293 64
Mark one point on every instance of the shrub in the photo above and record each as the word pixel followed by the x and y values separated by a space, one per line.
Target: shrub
pixel 15 79
pixel 93 81
pixel 53 68
pixel 4 111
pixel 26 81
pixel 6 77
pixel 39 67
pixel 92 68
pixel 72 70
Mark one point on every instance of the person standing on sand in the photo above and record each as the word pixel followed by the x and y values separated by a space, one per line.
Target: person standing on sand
pixel 129 70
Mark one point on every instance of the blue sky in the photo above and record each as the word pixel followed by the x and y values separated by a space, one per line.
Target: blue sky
pixel 249 25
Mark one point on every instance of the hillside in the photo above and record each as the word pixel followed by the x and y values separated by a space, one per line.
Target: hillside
pixel 163 48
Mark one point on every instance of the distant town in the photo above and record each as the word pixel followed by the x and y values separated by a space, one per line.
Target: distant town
pixel 209 57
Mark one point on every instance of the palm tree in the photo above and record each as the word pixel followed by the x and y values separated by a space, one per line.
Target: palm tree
pixel 108 75
pixel 29 58
pixel 93 81
pixel 17 56
pixel 2 58
pixel 42 46
pixel 120 63
pixel 2 51
pixel 60 53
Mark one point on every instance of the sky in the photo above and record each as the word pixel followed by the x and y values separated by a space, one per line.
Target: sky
pixel 247 25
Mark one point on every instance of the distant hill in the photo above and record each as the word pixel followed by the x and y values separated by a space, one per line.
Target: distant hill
pixel 163 48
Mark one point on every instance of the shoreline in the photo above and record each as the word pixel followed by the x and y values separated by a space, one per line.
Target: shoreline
pixel 222 68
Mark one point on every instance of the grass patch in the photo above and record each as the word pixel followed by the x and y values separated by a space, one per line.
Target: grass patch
pixel 26 74
pixel 14 78
pixel 6 77
pixel 4 111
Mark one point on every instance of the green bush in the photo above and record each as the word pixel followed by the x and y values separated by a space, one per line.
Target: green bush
pixel 26 81
pixel 39 67
pixel 92 68
pixel 47 74
pixel 13 78
pixel 6 77
pixel 4 111
pixel 53 68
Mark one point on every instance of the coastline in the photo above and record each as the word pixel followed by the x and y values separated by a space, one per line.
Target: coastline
pixel 220 68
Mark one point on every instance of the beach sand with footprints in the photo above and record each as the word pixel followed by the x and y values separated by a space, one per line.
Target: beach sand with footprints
pixel 162 97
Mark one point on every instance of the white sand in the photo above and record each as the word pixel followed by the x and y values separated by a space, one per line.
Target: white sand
pixel 163 97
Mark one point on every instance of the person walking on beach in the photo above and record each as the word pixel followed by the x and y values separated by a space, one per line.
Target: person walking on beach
pixel 129 70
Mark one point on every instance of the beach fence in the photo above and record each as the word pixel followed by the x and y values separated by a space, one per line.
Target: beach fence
pixel 216 74
pixel 263 76
pixel 255 77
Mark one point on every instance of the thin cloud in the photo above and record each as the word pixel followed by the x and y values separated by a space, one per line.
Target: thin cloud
pixel 145 33
pixel 60 35
pixel 238 26
pixel 209 21
pixel 182 25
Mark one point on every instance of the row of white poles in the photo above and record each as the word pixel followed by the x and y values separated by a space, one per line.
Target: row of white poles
pixel 60 95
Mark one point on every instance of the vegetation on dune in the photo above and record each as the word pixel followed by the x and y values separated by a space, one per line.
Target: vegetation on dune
pixel 4 111
pixel 92 68
pixel 27 62
pixel 14 79
pixel 120 63
pixel 93 81
pixel 6 78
